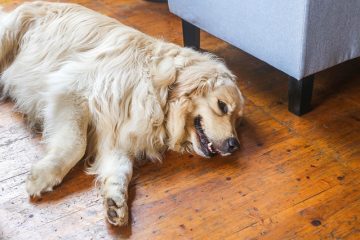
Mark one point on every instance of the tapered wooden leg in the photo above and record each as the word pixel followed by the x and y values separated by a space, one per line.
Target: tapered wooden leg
pixel 300 92
pixel 191 35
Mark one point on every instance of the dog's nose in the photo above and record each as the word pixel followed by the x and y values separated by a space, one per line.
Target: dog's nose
pixel 231 144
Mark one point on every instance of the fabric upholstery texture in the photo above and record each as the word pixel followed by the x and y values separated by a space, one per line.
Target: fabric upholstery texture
pixel 299 37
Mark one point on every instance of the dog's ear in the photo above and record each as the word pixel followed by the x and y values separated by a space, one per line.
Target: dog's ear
pixel 176 121
pixel 242 104
pixel 164 72
pixel 192 81
pixel 197 75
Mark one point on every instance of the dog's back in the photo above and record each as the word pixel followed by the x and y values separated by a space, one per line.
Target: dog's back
pixel 38 39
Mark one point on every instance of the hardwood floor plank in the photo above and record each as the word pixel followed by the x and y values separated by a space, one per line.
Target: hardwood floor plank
pixel 333 214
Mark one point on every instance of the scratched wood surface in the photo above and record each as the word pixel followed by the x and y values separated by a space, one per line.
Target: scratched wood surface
pixel 294 178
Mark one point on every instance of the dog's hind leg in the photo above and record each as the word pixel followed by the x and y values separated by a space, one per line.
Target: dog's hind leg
pixel 65 130
pixel 114 170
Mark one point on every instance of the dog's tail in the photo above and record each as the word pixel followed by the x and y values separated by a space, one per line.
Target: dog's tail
pixel 1 12
pixel 13 25
pixel 2 17
pixel 7 40
pixel 10 32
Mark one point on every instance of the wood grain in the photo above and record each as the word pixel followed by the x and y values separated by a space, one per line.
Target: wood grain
pixel 294 178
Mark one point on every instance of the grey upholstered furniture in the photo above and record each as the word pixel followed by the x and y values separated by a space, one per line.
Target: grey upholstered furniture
pixel 298 37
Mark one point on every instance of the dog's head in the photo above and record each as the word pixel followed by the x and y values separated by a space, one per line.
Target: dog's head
pixel 204 107
pixel 211 123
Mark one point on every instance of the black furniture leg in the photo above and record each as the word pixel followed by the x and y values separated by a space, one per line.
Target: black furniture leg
pixel 191 35
pixel 300 92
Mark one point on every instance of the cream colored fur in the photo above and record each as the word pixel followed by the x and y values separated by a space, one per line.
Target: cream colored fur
pixel 105 91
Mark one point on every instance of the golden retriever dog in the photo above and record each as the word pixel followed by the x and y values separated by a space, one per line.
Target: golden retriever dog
pixel 104 91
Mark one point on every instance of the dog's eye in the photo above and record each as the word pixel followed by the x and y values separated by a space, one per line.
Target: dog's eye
pixel 223 106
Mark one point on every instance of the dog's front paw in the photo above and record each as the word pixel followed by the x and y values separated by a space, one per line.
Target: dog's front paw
pixel 41 180
pixel 117 211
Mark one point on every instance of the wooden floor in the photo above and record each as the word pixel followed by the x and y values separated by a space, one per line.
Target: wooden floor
pixel 294 178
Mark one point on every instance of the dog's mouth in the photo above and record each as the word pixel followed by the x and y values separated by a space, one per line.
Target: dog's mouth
pixel 206 146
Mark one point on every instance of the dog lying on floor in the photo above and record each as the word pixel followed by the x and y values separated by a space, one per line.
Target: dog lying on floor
pixel 105 91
